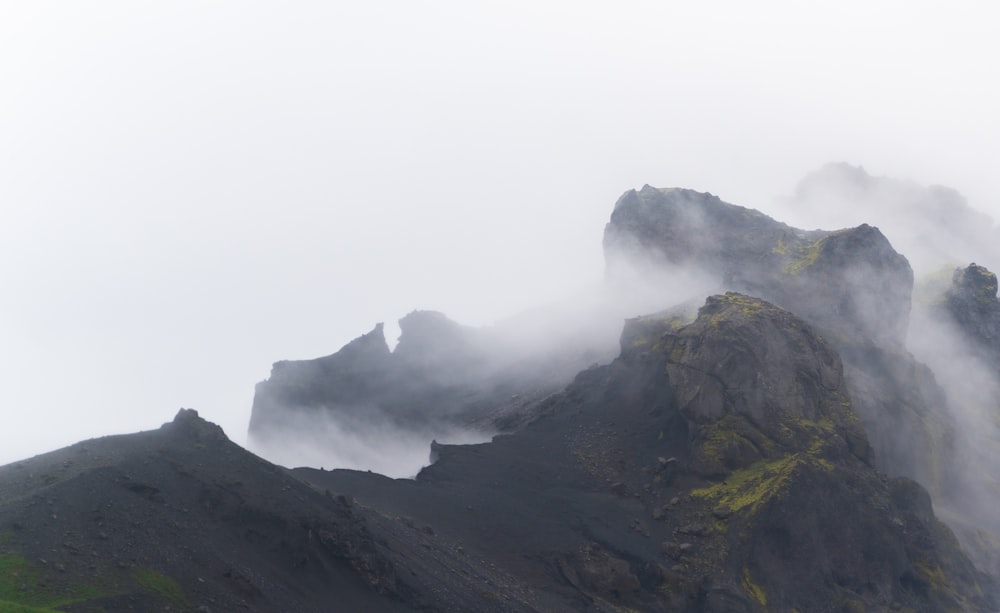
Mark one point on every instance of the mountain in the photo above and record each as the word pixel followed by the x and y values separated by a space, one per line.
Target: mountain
pixel 443 381
pixel 714 465
pixel 787 443
pixel 179 518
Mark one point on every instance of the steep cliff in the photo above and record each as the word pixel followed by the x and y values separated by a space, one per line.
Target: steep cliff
pixel 956 325
pixel 850 284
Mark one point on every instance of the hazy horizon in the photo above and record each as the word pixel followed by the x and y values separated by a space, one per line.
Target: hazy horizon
pixel 194 191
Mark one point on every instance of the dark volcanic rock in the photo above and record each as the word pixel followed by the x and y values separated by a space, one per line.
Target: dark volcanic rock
pixel 181 519
pixel 350 377
pixel 736 431
pixel 971 303
pixel 755 390
pixel 441 376
pixel 771 501
pixel 959 323
pixel 849 283
pixel 724 461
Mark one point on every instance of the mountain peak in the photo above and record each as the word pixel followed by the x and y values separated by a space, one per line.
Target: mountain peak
pixel 849 282
pixel 189 423
pixel 974 284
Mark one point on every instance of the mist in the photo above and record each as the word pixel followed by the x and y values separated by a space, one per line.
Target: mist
pixel 933 226
pixel 448 383
pixel 376 444
pixel 191 192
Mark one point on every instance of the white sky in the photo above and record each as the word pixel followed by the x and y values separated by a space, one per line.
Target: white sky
pixel 191 191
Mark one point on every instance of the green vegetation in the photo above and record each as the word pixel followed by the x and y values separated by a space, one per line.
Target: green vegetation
pixel 23 589
pixel 751 487
pixel 986 289
pixel 804 257
pixel 749 307
pixel 820 434
pixel 933 575
pixel 753 589
pixel 852 606
pixel 728 436
pixel 640 341
pixel 159 584
pixel 815 453
pixel 649 331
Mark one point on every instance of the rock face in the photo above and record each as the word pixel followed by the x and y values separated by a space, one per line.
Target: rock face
pixel 440 374
pixel 849 283
pixel 350 377
pixel 443 381
pixel 971 302
pixel 738 371
pixel 957 334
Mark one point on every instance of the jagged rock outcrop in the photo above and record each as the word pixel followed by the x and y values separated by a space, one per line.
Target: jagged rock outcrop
pixel 971 302
pixel 351 377
pixel 442 378
pixel 849 283
pixel 757 391
pixel 958 320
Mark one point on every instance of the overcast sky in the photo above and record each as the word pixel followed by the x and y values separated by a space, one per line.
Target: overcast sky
pixel 191 191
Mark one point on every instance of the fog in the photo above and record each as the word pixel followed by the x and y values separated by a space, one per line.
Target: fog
pixel 376 444
pixel 366 409
pixel 193 191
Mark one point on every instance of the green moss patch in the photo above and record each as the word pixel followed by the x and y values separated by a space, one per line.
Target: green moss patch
pixel 732 441
pixel 22 588
pixel 160 585
pixel 804 257
pixel 753 589
pixel 753 486
pixel 749 307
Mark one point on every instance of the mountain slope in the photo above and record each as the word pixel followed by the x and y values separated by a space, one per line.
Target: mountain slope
pixel 715 466
pixel 732 457
pixel 182 518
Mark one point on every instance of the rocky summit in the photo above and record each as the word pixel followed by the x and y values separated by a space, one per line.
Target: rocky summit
pixel 850 283
pixel 786 442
